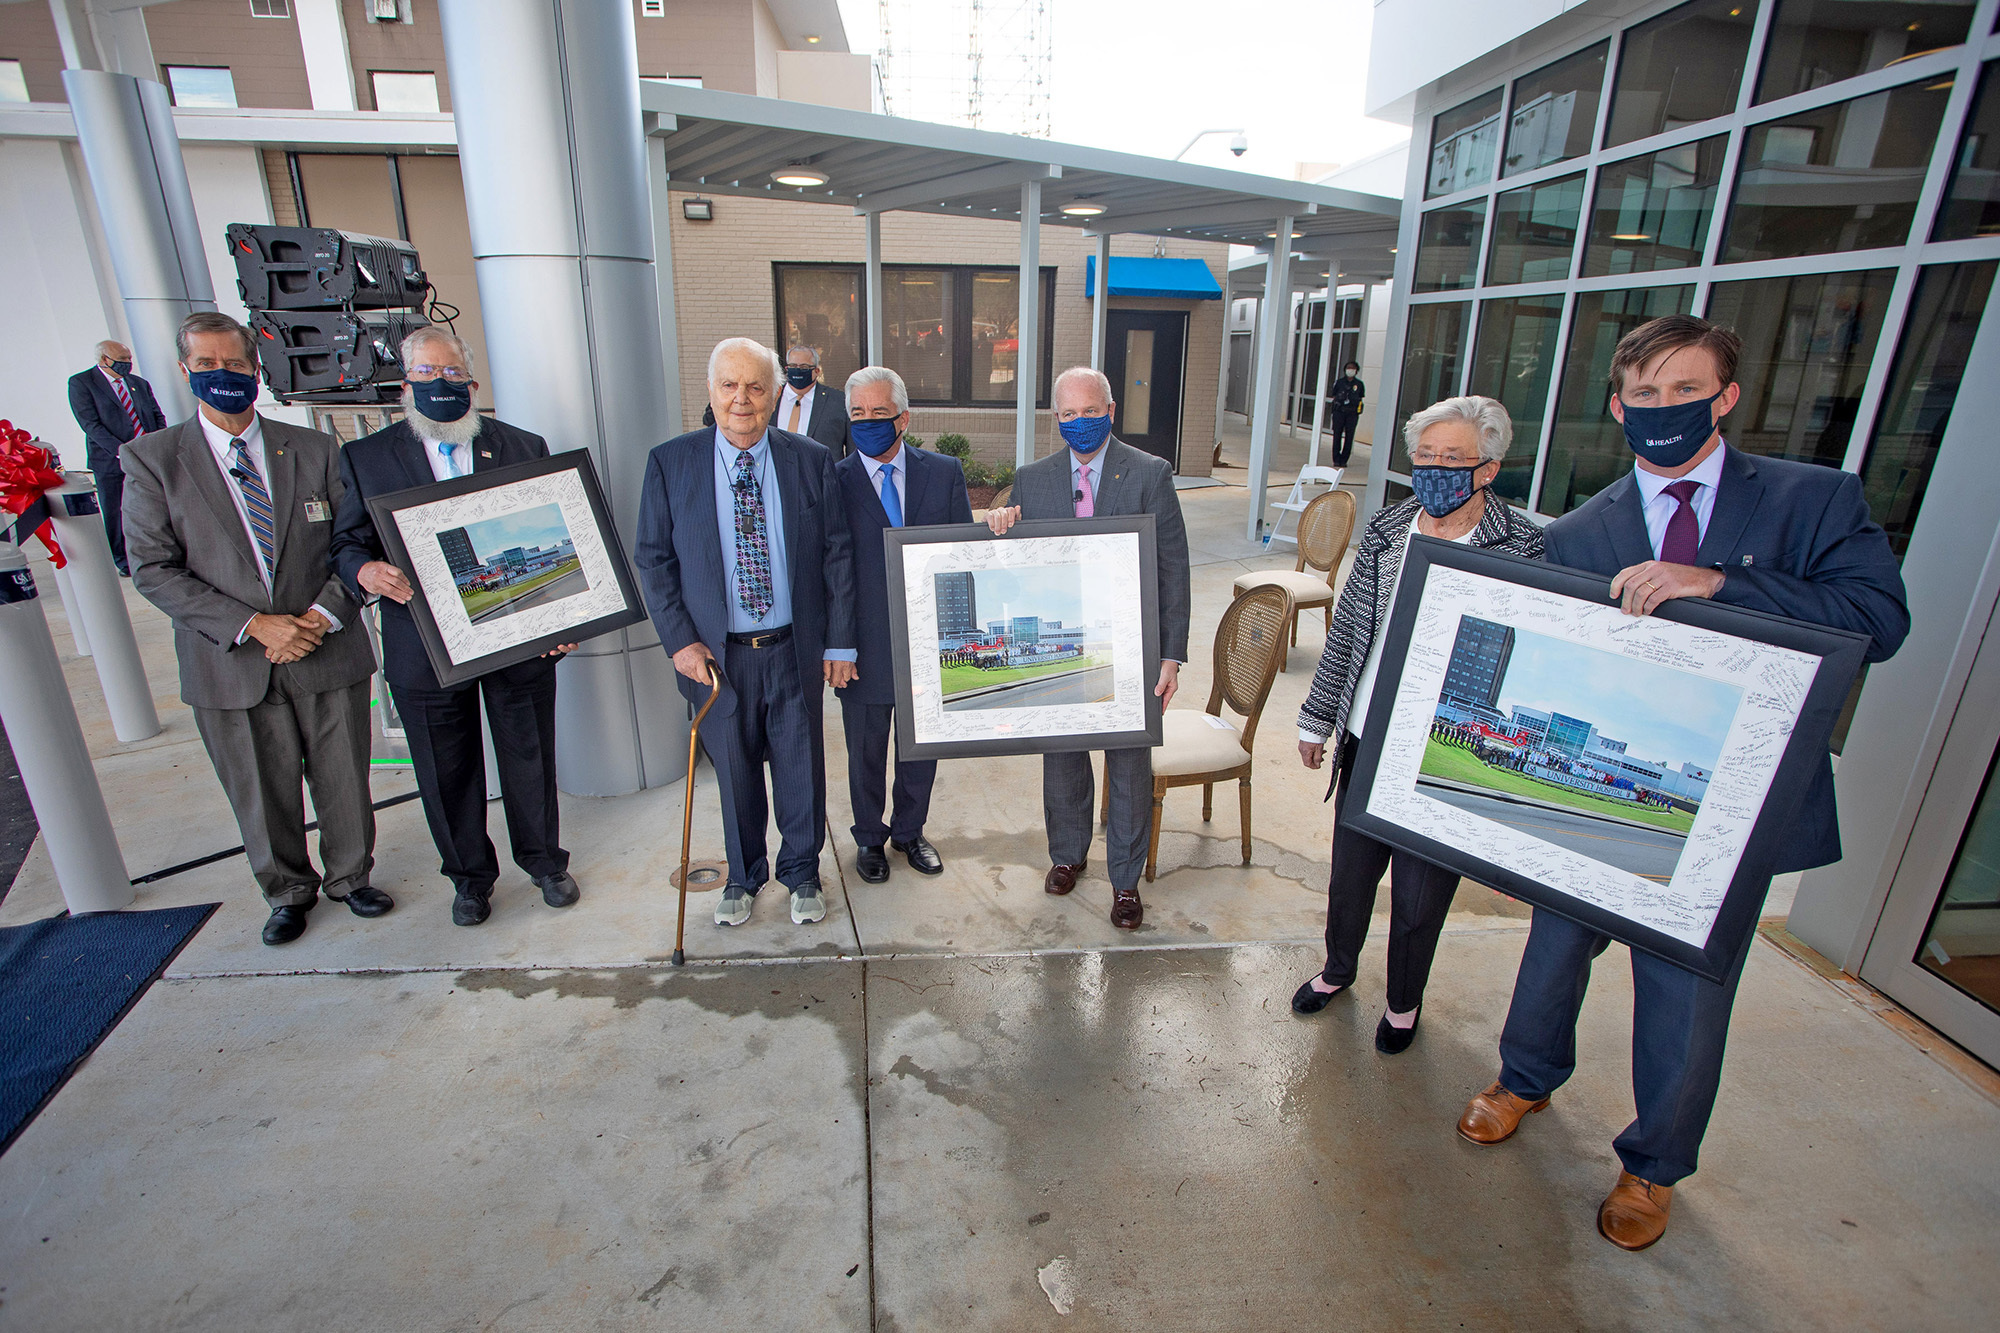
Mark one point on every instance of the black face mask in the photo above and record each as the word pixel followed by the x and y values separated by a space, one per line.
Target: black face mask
pixel 799 377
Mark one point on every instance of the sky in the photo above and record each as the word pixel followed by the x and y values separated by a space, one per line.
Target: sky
pixel 541 526
pixel 1053 592
pixel 1147 78
pixel 1668 716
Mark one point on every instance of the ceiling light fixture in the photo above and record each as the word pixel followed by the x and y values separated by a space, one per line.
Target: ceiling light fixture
pixel 1630 236
pixel 800 175
pixel 812 39
pixel 1272 235
pixel 1082 208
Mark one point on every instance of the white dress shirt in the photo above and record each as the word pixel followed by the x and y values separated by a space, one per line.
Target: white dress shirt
pixel 1661 507
pixel 899 477
pixel 222 446
pixel 446 467
pixel 804 400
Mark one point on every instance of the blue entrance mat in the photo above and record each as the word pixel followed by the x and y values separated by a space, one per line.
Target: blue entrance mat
pixel 64 984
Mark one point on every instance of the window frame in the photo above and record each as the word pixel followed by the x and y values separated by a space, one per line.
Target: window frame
pixel 173 94
pixel 375 98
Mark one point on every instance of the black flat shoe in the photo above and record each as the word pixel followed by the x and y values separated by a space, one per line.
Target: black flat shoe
pixel 1391 1040
pixel 286 924
pixel 923 857
pixel 871 863
pixel 559 889
pixel 367 902
pixel 1306 1000
pixel 469 909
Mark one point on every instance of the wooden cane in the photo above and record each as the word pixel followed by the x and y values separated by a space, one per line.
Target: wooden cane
pixel 687 814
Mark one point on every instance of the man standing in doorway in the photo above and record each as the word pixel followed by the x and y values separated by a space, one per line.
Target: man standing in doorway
pixel 807 407
pixel 1098 476
pixel 1695 518
pixel 114 407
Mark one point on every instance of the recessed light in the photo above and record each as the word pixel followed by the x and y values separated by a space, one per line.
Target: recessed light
pixel 799 174
pixel 1272 235
pixel 812 39
pixel 1630 236
pixel 1082 208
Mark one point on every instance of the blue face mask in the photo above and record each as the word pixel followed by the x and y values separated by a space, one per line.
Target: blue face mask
pixel 1086 434
pixel 440 399
pixel 1667 437
pixel 121 367
pixel 874 436
pixel 1444 490
pixel 229 392
pixel 799 377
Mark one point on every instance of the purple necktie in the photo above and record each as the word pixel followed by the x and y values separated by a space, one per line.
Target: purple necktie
pixel 1683 537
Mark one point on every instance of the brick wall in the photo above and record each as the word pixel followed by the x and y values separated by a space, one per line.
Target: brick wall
pixel 266 62
pixel 701 39
pixel 28 34
pixel 410 48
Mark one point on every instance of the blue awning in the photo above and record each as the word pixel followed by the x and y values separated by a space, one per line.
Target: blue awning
pixel 1181 279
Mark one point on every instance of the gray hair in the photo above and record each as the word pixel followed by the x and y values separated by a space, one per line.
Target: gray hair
pixel 812 352
pixel 106 347
pixel 1496 428
pixel 754 348
pixel 1081 372
pixel 899 393
pixel 211 321
pixel 432 333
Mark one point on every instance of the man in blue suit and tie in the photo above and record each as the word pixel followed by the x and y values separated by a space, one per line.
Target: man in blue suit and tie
pixel 887 485
pixel 114 407
pixel 745 560
pixel 1695 519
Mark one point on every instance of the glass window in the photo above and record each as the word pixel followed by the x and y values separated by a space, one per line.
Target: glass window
pixel 916 328
pixel 1448 248
pixel 1962 943
pixel 270 9
pixel 1807 342
pixel 1817 42
pixel 1555 110
pixel 1652 212
pixel 1971 204
pixel 404 92
pixel 1840 177
pixel 1587 449
pixel 1923 384
pixel 1677 69
pixel 13 83
pixel 1464 142
pixel 1432 359
pixel 1513 360
pixel 201 85
pixel 996 341
pixel 1534 232
pixel 819 307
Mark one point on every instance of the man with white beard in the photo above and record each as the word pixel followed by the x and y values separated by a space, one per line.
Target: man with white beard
pixel 441 437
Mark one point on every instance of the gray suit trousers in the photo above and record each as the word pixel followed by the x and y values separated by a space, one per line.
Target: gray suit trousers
pixel 1069 806
pixel 260 752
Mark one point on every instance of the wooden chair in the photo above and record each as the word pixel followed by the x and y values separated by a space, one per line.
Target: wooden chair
pixel 1206 748
pixel 1001 498
pixel 1325 529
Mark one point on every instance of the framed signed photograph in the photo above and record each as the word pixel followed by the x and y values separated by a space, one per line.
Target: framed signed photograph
pixel 1633 773
pixel 1045 639
pixel 507 564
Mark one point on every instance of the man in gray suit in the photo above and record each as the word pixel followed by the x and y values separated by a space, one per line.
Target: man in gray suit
pixel 1098 476
pixel 227 523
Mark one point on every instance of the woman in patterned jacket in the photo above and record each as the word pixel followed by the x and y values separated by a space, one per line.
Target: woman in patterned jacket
pixel 1456 447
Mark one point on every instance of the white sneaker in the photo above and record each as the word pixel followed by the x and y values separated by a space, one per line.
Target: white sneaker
pixel 734 909
pixel 808 904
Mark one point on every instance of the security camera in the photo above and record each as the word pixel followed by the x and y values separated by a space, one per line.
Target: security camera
pixel 1239 145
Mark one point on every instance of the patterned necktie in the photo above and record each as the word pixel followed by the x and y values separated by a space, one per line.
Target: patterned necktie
pixel 892 504
pixel 125 401
pixel 1683 536
pixel 257 504
pixel 753 542
pixel 1086 503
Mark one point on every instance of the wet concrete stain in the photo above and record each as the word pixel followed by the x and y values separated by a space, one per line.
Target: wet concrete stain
pixel 905 1067
pixel 729 993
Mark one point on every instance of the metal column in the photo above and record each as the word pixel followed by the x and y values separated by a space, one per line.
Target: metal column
pixel 1028 340
pixel 125 127
pixel 1326 341
pixel 100 601
pixel 1274 323
pixel 663 264
pixel 877 351
pixel 545 94
pixel 1222 362
pixel 1100 308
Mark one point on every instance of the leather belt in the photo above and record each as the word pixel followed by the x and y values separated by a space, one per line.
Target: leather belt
pixel 768 639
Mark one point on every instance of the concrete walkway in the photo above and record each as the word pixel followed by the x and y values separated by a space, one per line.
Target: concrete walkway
pixel 958 1102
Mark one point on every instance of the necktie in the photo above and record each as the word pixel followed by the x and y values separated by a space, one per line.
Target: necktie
pixel 753 543
pixel 257 505
pixel 892 505
pixel 793 424
pixel 1683 537
pixel 450 452
pixel 125 401
pixel 1086 503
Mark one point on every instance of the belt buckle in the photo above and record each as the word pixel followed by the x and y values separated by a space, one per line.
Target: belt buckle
pixel 762 640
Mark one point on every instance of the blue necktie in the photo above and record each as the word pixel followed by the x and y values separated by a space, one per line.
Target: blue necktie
pixel 891 505
pixel 257 504
pixel 450 452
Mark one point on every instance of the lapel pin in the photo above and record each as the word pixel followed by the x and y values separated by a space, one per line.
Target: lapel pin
pixel 1749 559
pixel 485 453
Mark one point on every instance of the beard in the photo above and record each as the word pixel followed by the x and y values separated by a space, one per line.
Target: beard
pixel 460 431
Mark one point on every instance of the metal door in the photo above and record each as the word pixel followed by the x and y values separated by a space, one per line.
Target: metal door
pixel 1145 358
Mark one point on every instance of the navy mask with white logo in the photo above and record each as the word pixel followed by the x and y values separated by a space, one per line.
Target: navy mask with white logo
pixel 1668 437
pixel 229 392
pixel 440 399
pixel 799 377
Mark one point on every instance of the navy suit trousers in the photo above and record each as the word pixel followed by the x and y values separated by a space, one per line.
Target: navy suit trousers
pixel 871 738
pixel 777 721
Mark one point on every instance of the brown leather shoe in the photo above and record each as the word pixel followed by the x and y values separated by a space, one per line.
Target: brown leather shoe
pixel 1061 879
pixel 1634 1214
pixel 1494 1115
pixel 1126 909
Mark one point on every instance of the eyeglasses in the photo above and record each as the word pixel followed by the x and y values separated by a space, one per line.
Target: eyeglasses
pixel 451 373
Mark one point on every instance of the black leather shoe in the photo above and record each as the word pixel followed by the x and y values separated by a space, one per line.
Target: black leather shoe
pixel 923 857
pixel 469 908
pixel 1306 1000
pixel 286 924
pixel 366 902
pixel 871 864
pixel 559 889
pixel 1394 1040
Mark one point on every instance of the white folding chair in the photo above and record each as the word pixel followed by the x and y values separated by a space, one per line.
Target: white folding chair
pixel 1296 502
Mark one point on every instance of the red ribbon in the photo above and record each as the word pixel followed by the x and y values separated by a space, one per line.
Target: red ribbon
pixel 27 472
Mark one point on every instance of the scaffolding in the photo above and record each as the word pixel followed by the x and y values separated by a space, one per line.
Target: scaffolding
pixel 979 63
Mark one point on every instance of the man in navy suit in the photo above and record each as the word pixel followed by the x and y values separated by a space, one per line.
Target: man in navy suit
pixel 441 437
pixel 1695 519
pixel 113 406
pixel 745 560
pixel 806 406
pixel 887 486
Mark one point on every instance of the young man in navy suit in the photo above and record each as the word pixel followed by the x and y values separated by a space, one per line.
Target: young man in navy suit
pixel 114 407
pixel 886 485
pixel 1694 519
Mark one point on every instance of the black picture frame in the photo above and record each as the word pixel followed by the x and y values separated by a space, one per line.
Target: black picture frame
pixel 1131 567
pixel 568 480
pixel 1403 695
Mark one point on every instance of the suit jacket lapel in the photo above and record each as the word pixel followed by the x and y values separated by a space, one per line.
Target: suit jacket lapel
pixel 410 453
pixel 282 480
pixel 198 461
pixel 1625 523
pixel 1111 479
pixel 1736 500
pixel 916 482
pixel 791 493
